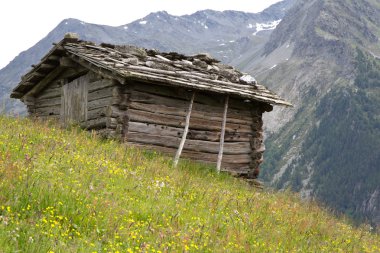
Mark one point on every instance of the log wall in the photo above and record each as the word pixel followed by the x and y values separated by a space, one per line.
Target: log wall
pixel 100 97
pixel 156 119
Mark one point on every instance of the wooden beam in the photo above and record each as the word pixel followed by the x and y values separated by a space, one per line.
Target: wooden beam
pixel 16 94
pixel 177 121
pixel 35 75
pixel 230 148
pixel 28 83
pixel 221 143
pixel 179 151
pixel 67 62
pixel 54 58
pixel 45 81
pixel 193 134
pixel 60 50
pixel 47 66
pixel 237 159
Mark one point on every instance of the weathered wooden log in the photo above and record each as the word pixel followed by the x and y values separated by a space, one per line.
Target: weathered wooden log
pixel 176 101
pixel 256 155
pixel 177 121
pixel 97 113
pixel 93 77
pixel 115 111
pixel 111 122
pixel 97 123
pixel 196 113
pixel 137 96
pixel 45 68
pixel 73 73
pixel 46 111
pixel 30 111
pixel 99 103
pixel 223 130
pixel 184 134
pixel 50 93
pixel 45 81
pixel 180 93
pixel 204 135
pixel 101 93
pixel 54 101
pixel 29 101
pixel 194 145
pixel 67 62
pixel 55 84
pixel 232 160
pixel 162 90
pixel 163 109
pixel 257 144
pixel 36 76
pixel 100 84
pixel 233 114
pixel 52 58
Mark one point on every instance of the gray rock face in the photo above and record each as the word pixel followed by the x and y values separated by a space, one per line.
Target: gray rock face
pixel 311 59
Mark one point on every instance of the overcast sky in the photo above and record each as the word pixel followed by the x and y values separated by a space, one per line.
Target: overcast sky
pixel 24 22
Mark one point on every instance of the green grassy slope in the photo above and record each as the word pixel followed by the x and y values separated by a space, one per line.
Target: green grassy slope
pixel 68 191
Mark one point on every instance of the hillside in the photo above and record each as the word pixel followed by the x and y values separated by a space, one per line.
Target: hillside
pixel 323 57
pixel 69 191
pixel 327 146
pixel 225 35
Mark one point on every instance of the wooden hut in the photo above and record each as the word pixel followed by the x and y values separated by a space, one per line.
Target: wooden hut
pixel 188 106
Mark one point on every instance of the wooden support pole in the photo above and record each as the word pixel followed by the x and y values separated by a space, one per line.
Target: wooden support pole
pixel 179 151
pixel 221 142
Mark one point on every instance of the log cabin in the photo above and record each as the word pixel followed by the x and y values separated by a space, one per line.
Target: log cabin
pixel 186 106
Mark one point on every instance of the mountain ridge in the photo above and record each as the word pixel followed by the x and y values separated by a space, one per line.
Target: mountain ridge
pixel 204 31
pixel 317 66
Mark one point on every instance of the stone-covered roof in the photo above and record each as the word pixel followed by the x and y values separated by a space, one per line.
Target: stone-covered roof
pixel 124 63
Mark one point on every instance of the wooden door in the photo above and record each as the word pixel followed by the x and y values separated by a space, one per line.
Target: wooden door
pixel 74 101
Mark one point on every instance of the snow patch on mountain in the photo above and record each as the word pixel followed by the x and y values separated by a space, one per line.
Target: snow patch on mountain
pixel 266 26
pixel 275 65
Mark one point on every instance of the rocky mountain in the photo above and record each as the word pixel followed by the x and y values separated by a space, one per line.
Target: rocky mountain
pixel 324 58
pixel 226 35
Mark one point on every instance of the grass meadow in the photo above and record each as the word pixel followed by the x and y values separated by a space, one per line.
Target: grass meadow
pixel 71 191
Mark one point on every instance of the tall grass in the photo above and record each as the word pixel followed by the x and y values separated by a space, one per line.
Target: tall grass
pixel 69 191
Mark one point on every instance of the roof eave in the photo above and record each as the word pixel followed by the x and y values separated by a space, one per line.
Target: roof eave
pixel 57 50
